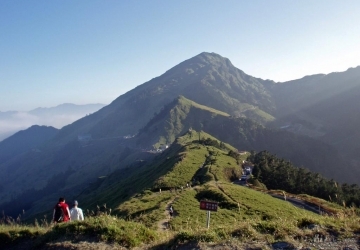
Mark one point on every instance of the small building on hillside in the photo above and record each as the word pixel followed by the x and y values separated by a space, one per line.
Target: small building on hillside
pixel 163 147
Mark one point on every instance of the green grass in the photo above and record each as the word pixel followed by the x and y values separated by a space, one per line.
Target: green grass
pixel 139 207
pixel 199 106
pixel 14 234
pixel 190 160
pixel 237 204
pixel 102 228
pixel 147 208
pixel 265 116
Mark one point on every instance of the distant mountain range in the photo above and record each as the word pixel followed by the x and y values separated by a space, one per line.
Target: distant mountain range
pixel 59 116
pixel 324 107
pixel 310 121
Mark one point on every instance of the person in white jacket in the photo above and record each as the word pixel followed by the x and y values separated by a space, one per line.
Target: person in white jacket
pixel 76 213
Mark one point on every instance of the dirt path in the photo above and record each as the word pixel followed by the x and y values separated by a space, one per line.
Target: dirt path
pixel 164 224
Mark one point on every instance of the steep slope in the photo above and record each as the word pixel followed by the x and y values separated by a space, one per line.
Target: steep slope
pixel 42 175
pixel 25 140
pixel 325 107
pixel 280 174
pixel 316 104
pixel 181 163
pixel 182 114
pixel 188 173
pixel 207 78
pixel 339 119
pixel 7 134
pixel 296 95
pixel 209 169
pixel 175 119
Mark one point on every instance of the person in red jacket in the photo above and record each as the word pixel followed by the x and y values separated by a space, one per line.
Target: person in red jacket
pixel 61 212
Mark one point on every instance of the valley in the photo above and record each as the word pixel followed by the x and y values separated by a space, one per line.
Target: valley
pixel 175 140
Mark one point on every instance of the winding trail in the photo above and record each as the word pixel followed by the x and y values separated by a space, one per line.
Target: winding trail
pixel 164 223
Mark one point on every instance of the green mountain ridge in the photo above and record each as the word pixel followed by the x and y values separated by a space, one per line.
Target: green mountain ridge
pixel 78 165
pixel 207 79
pixel 216 98
pixel 183 114
pixel 187 160
pixel 173 120
pixel 133 211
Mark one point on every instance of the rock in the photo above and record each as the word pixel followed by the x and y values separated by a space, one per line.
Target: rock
pixel 283 245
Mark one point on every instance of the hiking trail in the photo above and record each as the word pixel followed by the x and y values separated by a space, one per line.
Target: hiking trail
pixel 164 223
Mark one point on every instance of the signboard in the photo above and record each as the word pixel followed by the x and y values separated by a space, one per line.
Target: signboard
pixel 209 205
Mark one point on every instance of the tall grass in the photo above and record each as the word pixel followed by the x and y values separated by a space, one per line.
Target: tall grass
pixel 101 228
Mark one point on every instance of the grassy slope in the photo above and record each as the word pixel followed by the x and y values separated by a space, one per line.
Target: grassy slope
pixel 239 206
pixel 174 120
pixel 151 175
pixel 244 214
pixel 72 169
pixel 182 114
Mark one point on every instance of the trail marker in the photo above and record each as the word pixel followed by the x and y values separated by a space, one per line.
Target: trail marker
pixel 209 206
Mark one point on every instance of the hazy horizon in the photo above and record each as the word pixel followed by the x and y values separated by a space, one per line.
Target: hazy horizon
pixel 58 116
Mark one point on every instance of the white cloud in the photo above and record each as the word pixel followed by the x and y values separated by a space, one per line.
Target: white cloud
pixel 10 123
pixel 22 120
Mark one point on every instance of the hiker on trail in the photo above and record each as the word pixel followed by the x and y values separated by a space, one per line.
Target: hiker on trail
pixel 76 213
pixel 171 211
pixel 61 212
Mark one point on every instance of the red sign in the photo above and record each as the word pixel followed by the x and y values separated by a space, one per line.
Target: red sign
pixel 209 205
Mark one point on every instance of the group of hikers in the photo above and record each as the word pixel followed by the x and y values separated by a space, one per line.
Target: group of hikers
pixel 63 214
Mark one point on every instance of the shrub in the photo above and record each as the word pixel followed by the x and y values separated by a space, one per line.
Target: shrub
pixel 211 195
pixel 306 222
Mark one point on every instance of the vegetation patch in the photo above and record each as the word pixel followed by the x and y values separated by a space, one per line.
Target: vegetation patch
pixel 181 177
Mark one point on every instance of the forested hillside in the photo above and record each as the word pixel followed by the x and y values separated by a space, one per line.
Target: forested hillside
pixel 277 173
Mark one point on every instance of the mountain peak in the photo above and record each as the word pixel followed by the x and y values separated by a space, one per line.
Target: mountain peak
pixel 207 78
pixel 207 59
pixel 212 57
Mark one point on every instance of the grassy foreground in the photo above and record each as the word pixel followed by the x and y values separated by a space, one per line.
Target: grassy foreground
pixel 101 228
pixel 250 221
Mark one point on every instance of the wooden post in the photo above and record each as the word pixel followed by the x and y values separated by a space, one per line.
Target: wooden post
pixel 208 219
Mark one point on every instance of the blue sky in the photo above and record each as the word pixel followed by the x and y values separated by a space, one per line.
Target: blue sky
pixel 52 52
